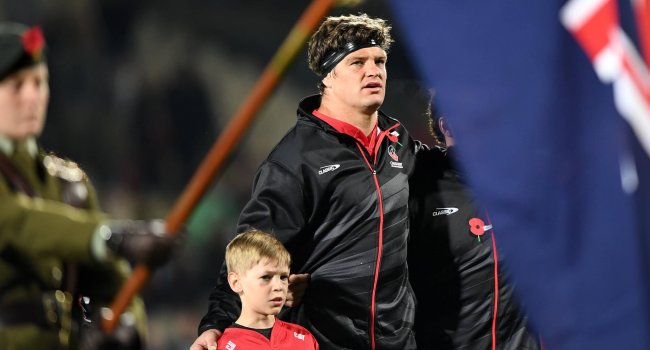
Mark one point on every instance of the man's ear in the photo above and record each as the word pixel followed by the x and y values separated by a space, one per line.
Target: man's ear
pixel 442 125
pixel 327 80
pixel 235 282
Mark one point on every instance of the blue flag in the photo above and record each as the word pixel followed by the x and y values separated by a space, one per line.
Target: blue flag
pixel 549 101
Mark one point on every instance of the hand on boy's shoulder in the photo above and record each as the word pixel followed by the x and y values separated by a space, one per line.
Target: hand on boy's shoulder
pixel 298 283
pixel 207 340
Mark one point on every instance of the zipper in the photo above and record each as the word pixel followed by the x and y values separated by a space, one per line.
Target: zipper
pixel 379 246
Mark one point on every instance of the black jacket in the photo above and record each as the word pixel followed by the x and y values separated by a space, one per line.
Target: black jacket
pixel 453 270
pixel 343 216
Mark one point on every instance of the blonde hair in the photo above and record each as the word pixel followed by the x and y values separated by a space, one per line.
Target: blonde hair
pixel 249 248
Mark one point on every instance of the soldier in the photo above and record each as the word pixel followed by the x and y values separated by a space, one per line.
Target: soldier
pixel 57 249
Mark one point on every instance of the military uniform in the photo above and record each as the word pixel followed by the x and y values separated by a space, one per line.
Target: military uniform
pixel 45 255
pixel 55 243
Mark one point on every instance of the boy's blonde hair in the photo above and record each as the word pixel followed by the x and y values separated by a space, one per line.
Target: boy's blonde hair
pixel 249 248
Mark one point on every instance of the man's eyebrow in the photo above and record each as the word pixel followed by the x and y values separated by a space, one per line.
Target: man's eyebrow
pixel 352 56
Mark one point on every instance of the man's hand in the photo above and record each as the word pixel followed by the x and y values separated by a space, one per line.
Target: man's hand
pixel 298 283
pixel 207 340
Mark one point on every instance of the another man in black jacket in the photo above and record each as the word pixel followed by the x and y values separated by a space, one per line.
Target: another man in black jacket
pixel 464 300
pixel 335 192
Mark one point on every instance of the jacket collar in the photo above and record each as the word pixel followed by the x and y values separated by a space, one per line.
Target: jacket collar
pixel 7 146
pixel 309 103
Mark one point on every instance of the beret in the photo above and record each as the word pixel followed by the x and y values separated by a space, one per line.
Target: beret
pixel 20 47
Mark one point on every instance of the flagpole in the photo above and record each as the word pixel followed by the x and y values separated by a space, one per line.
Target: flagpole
pixel 223 146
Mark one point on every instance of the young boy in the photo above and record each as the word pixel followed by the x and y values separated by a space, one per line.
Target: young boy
pixel 258 271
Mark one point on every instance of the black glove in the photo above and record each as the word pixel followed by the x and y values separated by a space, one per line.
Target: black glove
pixel 139 241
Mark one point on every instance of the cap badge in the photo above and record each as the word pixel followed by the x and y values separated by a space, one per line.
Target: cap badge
pixel 33 42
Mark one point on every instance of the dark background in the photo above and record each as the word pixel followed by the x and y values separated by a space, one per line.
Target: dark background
pixel 141 89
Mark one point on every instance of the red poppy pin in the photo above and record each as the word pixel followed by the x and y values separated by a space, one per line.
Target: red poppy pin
pixel 33 42
pixel 478 227
pixel 393 137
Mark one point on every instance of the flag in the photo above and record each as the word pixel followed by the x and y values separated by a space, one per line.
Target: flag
pixel 549 102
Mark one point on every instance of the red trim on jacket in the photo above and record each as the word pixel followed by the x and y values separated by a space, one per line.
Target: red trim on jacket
pixel 380 245
pixel 495 256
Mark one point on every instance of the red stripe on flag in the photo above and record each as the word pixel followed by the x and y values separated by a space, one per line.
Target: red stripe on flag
pixel 637 78
pixel 593 35
pixel 642 10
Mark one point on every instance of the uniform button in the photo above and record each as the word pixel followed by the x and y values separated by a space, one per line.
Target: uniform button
pixel 57 274
pixel 51 316
pixel 60 296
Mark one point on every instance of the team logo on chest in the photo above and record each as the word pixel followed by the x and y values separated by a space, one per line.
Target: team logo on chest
pixel 393 154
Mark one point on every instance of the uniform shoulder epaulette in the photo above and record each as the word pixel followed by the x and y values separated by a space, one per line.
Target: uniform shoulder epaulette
pixel 63 168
